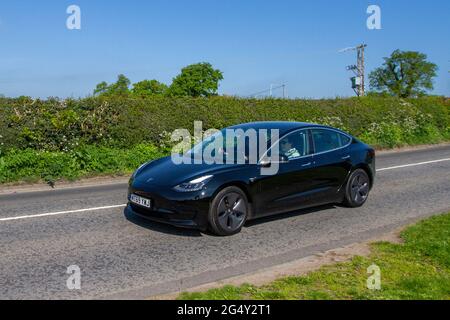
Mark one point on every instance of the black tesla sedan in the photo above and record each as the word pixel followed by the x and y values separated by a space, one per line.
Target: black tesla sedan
pixel 312 165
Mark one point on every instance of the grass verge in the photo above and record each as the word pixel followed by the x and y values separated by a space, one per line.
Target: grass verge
pixel 419 268
pixel 33 166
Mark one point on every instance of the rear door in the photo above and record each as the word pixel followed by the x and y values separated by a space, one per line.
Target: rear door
pixel 331 161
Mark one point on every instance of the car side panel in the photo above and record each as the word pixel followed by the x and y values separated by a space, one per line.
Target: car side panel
pixel 332 169
pixel 288 190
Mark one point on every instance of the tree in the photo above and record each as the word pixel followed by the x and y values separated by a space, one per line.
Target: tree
pixel 196 80
pixel 101 88
pixel 404 74
pixel 120 87
pixel 148 88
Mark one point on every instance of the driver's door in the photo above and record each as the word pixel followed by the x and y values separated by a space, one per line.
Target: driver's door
pixel 291 188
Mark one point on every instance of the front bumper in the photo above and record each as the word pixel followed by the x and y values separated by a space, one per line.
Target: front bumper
pixel 177 209
pixel 164 218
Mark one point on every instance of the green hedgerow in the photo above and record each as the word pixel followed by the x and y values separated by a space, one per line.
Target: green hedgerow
pixel 63 125
pixel 32 165
pixel 53 138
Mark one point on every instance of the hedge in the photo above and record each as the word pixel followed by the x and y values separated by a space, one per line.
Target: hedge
pixel 45 138
pixel 32 166
pixel 62 125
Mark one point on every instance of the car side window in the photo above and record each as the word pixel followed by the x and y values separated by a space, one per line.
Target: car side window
pixel 326 140
pixel 295 145
pixel 345 140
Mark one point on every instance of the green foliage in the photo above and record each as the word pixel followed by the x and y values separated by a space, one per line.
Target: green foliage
pixel 101 88
pixel 417 269
pixel 196 80
pixel 31 165
pixel 148 88
pixel 408 125
pixel 58 125
pixel 404 74
pixel 62 127
pixel 120 87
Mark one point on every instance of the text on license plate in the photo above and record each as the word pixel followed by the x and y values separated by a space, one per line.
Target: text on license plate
pixel 141 201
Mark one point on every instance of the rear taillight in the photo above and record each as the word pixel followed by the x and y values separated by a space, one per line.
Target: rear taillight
pixel 371 153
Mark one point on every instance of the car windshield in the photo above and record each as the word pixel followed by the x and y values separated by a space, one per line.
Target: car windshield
pixel 231 140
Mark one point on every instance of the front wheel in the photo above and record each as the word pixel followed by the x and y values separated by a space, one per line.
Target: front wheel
pixel 357 189
pixel 228 211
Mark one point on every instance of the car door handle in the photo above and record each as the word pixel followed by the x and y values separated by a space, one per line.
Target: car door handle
pixel 346 158
pixel 307 164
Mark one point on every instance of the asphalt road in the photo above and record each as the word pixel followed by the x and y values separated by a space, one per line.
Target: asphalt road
pixel 125 257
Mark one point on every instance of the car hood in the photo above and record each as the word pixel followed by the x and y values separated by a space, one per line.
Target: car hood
pixel 164 172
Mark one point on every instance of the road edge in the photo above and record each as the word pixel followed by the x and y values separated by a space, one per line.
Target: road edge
pixel 242 272
pixel 97 181
pixel 296 267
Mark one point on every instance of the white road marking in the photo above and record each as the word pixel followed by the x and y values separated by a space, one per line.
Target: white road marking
pixel 124 205
pixel 413 164
pixel 61 212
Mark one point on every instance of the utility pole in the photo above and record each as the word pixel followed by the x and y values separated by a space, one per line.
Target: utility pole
pixel 358 82
pixel 361 68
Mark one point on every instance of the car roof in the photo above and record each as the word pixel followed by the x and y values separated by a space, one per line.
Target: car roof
pixel 282 126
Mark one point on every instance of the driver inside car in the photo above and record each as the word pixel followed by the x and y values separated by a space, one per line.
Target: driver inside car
pixel 288 150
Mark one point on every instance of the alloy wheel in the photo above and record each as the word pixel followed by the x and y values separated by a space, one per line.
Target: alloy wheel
pixel 359 189
pixel 231 211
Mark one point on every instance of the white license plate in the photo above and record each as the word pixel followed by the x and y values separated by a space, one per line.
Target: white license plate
pixel 141 201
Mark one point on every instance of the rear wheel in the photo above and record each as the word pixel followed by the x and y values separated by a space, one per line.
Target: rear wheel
pixel 357 189
pixel 228 211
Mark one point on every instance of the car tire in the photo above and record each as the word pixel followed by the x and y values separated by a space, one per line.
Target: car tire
pixel 357 189
pixel 228 211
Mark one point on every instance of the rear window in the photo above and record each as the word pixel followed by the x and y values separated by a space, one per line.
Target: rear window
pixel 345 140
pixel 326 140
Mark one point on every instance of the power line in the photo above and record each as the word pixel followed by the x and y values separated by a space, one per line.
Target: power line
pixel 358 82
pixel 270 91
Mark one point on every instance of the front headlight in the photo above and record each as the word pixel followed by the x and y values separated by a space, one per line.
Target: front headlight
pixel 194 185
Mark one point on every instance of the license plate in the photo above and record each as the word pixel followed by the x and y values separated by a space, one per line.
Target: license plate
pixel 141 201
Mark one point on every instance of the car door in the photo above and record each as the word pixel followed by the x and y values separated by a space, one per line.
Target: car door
pixel 290 188
pixel 331 162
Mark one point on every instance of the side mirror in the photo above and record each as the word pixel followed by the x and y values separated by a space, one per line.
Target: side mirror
pixel 265 162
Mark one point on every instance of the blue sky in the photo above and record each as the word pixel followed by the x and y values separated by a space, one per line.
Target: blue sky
pixel 255 43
